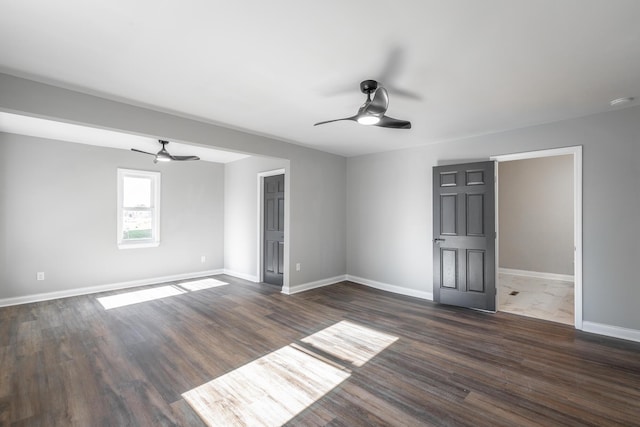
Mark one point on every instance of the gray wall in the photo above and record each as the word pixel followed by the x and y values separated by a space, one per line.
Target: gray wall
pixel 318 218
pixel 58 205
pixel 241 211
pixel 389 208
pixel 536 214
pixel 388 196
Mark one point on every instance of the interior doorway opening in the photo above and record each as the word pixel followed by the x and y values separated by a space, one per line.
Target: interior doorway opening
pixel 539 234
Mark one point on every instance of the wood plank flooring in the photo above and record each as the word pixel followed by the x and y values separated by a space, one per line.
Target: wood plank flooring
pixel 71 362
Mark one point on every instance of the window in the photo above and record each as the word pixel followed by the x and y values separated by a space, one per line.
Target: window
pixel 138 209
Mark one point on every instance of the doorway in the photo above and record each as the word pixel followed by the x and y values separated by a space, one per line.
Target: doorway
pixel 271 225
pixel 539 252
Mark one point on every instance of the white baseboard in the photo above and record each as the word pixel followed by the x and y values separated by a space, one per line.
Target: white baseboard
pixel 361 281
pixel 312 285
pixel 244 276
pixel 5 302
pixel 611 331
pixel 537 274
pixel 391 288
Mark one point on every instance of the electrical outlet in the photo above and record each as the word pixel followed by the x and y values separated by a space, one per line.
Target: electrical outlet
pixel 40 275
pixel 298 267
pixel 203 259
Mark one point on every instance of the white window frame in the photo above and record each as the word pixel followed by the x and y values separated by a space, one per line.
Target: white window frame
pixel 154 208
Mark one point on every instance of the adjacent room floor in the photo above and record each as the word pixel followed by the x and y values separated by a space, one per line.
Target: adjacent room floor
pixel 546 299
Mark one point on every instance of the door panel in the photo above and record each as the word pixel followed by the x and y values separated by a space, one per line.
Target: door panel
pixel 475 270
pixel 269 267
pixel 448 209
pixel 281 212
pixel 464 235
pixel 270 226
pixel 280 257
pixel 448 179
pixel 475 215
pixel 273 262
pixel 449 268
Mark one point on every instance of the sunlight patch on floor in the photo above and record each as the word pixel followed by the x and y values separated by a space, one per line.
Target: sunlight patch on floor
pixel 273 389
pixel 350 342
pixel 266 392
pixel 198 285
pixel 136 297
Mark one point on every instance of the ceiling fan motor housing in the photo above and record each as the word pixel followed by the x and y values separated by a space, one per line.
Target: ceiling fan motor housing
pixel 368 86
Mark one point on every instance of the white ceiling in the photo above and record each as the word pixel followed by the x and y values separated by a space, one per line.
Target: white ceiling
pixel 455 68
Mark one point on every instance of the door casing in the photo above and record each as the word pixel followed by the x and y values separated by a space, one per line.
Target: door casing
pixel 576 151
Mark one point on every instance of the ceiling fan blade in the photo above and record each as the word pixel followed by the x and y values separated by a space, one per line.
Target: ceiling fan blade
pixel 181 158
pixel 390 122
pixel 394 62
pixel 404 93
pixel 353 118
pixel 379 103
pixel 143 152
pixel 164 156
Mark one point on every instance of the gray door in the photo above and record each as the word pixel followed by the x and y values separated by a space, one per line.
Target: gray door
pixel 464 235
pixel 273 262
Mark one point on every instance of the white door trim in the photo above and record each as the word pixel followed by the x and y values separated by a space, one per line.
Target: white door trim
pixel 576 151
pixel 260 245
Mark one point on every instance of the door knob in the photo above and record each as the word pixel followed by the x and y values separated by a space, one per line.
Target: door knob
pixel 438 240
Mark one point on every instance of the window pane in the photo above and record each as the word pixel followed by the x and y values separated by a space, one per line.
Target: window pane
pixel 137 225
pixel 138 208
pixel 137 192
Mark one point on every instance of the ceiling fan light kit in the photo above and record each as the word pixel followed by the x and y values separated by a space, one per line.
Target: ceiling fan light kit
pixel 372 112
pixel 368 120
pixel 164 156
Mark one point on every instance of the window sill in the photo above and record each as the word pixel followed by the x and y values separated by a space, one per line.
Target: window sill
pixel 138 245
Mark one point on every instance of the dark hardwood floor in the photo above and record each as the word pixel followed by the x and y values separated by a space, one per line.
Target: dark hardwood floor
pixel 71 362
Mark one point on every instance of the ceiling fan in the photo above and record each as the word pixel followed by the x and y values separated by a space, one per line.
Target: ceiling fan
pixel 372 112
pixel 164 156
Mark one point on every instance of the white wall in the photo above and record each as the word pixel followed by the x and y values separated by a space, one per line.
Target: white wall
pixel 536 214
pixel 58 205
pixel 241 212
pixel 318 194
pixel 389 208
